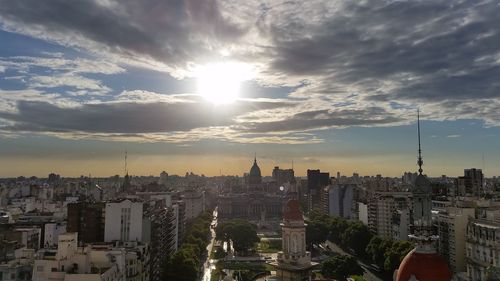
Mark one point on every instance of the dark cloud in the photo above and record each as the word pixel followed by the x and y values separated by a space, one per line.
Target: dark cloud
pixel 127 117
pixel 173 32
pixel 447 49
pixel 320 119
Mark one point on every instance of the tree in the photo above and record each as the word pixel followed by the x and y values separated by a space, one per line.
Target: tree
pixel 341 267
pixel 395 254
pixel 357 236
pixel 337 228
pixel 316 232
pixel 377 248
pixel 242 233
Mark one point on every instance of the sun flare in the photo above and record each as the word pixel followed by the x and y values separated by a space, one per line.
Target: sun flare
pixel 220 83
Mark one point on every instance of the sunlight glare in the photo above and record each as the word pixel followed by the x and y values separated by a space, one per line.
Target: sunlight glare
pixel 220 83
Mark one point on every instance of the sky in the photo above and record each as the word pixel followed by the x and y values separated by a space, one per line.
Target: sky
pixel 330 85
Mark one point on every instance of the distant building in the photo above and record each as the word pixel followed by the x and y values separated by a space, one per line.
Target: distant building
pixel 341 200
pixel 52 232
pixel 253 201
pixel 316 183
pixel 282 176
pixel 163 178
pixel 472 183
pixel 194 203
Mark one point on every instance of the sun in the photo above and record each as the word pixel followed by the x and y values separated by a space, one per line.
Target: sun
pixel 220 83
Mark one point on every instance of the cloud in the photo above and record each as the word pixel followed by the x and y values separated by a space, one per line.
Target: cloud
pixel 169 32
pixel 453 136
pixel 127 117
pixel 362 63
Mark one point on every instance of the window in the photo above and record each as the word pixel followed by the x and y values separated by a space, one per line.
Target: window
pixel 39 268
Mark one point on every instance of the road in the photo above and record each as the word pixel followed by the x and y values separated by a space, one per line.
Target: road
pixel 368 275
pixel 209 264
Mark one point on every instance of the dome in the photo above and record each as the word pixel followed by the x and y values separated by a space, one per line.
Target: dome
pixel 292 211
pixel 422 184
pixel 424 267
pixel 255 170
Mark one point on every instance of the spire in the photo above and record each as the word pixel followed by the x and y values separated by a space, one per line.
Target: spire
pixel 420 161
pixel 255 158
pixel 126 169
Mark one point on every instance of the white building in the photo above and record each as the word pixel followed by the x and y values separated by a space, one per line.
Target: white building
pixel 363 213
pixel 123 221
pixel 52 232
pixel 71 263
pixel 194 202
pixel 483 248
pixel 382 208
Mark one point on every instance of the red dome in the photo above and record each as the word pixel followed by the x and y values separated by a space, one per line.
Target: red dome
pixel 424 266
pixel 292 211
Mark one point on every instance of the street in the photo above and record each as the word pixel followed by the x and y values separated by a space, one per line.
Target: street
pixel 209 265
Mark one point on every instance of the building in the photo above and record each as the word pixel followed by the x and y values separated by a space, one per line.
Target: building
pixel 341 200
pixel 294 262
pixel 282 176
pixel 194 203
pixel 386 206
pixel 363 213
pixel 316 182
pixel 86 218
pixel 52 232
pixel 123 221
pixel 483 248
pixel 401 221
pixel 253 201
pixel 472 183
pixel 452 232
pixel 149 222
pixel 163 178
pixel 71 263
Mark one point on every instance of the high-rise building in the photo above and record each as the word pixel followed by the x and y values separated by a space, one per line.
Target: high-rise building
pixel 341 200
pixel 87 219
pixel 452 231
pixel 282 176
pixel 316 182
pixel 123 221
pixel 471 183
pixel 382 209
pixel 194 203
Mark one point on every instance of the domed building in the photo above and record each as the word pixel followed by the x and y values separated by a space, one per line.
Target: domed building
pixel 255 176
pixel 253 200
pixel 422 263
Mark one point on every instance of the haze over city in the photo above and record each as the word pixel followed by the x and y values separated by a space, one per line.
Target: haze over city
pixel 203 86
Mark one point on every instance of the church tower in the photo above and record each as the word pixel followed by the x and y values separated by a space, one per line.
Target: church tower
pixel 422 263
pixel 294 262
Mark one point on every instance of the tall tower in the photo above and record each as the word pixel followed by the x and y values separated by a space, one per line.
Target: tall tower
pixel 422 263
pixel 294 262
pixel 422 200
